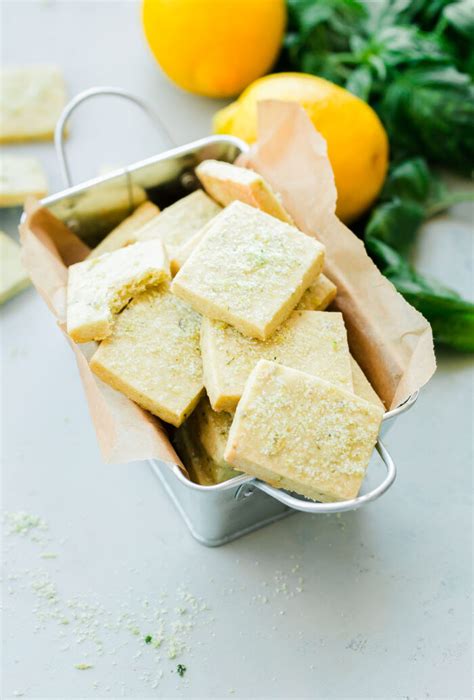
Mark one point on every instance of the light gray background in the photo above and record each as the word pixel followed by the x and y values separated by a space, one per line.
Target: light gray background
pixel 371 604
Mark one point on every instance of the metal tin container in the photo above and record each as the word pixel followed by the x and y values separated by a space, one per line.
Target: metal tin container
pixel 216 514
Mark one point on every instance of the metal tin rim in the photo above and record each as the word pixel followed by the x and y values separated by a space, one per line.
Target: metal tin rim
pixel 237 481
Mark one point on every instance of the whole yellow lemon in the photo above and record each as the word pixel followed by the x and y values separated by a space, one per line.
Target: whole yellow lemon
pixel 357 142
pixel 214 47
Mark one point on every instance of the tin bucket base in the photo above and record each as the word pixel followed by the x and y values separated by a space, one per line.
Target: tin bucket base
pixel 216 518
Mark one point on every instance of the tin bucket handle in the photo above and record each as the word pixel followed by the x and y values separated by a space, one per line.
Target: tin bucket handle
pixel 86 95
pixel 306 506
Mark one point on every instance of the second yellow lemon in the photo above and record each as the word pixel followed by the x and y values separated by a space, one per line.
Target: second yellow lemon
pixel 357 142
pixel 214 47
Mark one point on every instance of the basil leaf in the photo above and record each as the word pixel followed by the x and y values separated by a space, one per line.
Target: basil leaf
pixel 431 110
pixel 460 15
pixel 451 318
pixel 360 82
pixel 396 223
pixel 410 179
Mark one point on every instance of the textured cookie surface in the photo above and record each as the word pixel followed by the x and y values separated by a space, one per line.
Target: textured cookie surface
pixel 13 278
pixel 300 433
pixel 319 295
pixel 99 288
pixel 20 178
pixel 180 222
pixel 31 101
pixel 226 183
pixel 153 355
pixel 124 233
pixel 311 341
pixel 250 270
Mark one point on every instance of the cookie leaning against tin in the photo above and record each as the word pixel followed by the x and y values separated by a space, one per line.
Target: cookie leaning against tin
pixel 300 433
pixel 99 288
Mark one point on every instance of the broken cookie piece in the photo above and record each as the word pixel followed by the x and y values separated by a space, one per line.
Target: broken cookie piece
pixel 300 433
pixel 100 287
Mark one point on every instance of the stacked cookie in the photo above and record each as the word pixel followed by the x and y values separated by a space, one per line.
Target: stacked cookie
pixel 236 350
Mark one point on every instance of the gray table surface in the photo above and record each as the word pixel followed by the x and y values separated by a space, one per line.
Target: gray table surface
pixel 371 604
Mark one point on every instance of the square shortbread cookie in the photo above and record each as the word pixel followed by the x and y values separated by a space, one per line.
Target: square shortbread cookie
pixel 20 178
pixel 153 355
pixel 226 183
pixel 13 278
pixel 124 233
pixel 182 253
pixel 311 341
pixel 319 295
pixel 300 433
pixel 100 287
pixel 250 270
pixel 362 386
pixel 180 222
pixel 31 101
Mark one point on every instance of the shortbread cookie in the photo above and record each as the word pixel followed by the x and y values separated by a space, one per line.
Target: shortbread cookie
pixel 99 288
pixel 124 233
pixel 227 183
pixel 300 433
pixel 20 178
pixel 181 254
pixel 153 355
pixel 311 341
pixel 250 270
pixel 13 278
pixel 201 468
pixel 180 222
pixel 31 101
pixel 212 430
pixel 362 386
pixel 319 295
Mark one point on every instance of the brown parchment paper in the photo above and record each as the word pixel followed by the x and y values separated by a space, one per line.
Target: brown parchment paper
pixel 390 339
pixel 124 431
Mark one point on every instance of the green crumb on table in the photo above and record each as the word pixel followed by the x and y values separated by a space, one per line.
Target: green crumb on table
pixel 180 670
pixel 83 667
pixel 148 639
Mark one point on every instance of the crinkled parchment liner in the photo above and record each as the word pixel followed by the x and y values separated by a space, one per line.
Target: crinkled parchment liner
pixel 389 338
